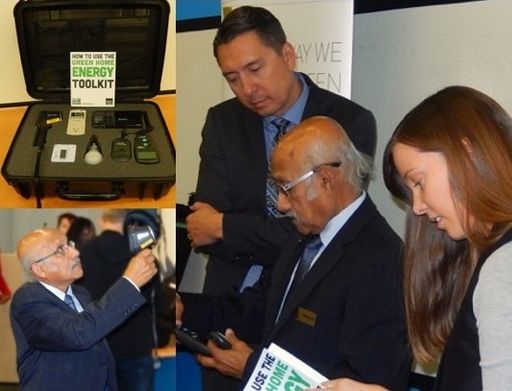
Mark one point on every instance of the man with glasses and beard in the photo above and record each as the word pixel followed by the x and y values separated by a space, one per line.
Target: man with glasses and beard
pixel 59 331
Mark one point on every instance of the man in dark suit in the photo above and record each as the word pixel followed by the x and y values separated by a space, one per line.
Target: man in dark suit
pixel 345 316
pixel 104 259
pixel 59 331
pixel 234 222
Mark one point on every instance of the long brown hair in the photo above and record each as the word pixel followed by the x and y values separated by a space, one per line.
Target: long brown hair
pixel 474 134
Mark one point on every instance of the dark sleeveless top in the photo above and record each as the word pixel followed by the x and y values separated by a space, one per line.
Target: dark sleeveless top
pixel 459 369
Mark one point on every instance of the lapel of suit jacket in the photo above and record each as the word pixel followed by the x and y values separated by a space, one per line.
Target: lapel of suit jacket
pixel 330 258
pixel 252 142
pixel 82 295
pixel 282 271
pixel 50 296
pixel 313 105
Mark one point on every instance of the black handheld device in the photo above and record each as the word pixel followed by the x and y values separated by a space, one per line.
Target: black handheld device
pixel 140 238
pixel 44 121
pixel 220 340
pixel 144 151
pixel 191 341
pixel 191 198
pixel 125 119
pixel 121 150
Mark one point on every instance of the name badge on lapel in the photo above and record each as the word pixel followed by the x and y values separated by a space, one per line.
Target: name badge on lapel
pixel 306 317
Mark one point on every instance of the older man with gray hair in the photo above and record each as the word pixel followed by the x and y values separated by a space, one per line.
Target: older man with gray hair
pixel 333 298
pixel 59 331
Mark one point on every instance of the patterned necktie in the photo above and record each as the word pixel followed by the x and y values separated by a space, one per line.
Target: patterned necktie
pixel 311 249
pixel 281 125
pixel 313 245
pixel 69 301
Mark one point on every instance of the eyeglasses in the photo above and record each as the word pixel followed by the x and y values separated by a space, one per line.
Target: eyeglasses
pixel 63 249
pixel 285 188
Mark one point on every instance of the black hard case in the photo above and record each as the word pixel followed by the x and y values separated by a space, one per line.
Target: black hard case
pixel 47 31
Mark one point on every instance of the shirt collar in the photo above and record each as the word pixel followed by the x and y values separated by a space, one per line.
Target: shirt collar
pixel 294 115
pixel 338 221
pixel 57 292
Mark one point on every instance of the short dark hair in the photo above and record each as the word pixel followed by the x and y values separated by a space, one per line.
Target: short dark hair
pixel 69 216
pixel 81 230
pixel 246 19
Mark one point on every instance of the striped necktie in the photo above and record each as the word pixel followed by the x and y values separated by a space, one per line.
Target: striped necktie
pixel 281 126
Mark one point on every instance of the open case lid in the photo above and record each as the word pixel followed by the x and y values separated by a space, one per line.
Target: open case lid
pixel 49 30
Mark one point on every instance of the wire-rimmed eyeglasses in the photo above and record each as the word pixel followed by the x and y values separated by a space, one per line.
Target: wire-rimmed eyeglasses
pixel 286 187
pixel 63 249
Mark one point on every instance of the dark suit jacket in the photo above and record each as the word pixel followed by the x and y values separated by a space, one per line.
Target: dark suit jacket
pixel 104 260
pixel 61 350
pixel 346 319
pixel 232 178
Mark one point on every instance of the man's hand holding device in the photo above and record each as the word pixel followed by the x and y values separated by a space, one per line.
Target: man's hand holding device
pixel 230 361
pixel 142 266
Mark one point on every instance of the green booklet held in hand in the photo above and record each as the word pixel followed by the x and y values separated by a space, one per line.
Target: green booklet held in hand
pixel 279 370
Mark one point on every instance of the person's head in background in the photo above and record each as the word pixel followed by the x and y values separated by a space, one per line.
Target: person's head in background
pixel 449 161
pixel 257 61
pixel 317 173
pixel 64 222
pixel 81 231
pixel 46 256
pixel 113 220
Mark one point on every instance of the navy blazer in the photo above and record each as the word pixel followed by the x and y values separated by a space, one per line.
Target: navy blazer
pixel 104 260
pixel 232 178
pixel 59 349
pixel 345 320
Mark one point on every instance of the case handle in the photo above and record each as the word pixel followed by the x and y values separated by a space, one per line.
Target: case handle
pixel 83 196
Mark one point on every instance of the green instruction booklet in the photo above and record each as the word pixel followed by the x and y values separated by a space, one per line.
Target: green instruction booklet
pixel 279 370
